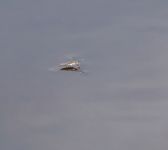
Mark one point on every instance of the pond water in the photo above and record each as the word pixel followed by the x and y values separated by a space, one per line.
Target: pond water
pixel 122 102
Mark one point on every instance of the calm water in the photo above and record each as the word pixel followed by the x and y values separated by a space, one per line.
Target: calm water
pixel 122 103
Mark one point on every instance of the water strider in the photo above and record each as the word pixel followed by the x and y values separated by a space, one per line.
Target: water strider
pixel 71 65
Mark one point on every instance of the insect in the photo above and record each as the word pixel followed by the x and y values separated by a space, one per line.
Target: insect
pixel 71 65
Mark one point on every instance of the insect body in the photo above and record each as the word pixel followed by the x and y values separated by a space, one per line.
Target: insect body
pixel 72 65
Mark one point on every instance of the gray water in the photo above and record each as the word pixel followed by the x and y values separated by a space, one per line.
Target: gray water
pixel 122 102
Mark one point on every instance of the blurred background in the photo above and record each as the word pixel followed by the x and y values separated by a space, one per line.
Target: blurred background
pixel 122 102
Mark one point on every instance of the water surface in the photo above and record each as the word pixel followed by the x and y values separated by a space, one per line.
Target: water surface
pixel 120 104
